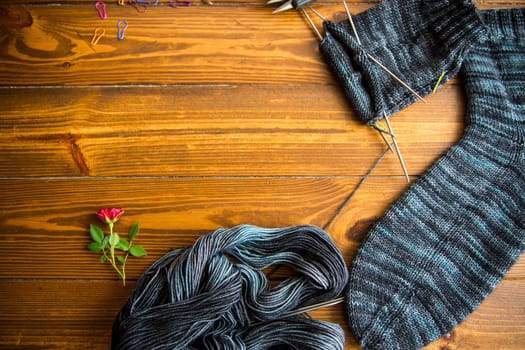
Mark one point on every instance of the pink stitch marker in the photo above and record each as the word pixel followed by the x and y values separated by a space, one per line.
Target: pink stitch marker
pixel 100 6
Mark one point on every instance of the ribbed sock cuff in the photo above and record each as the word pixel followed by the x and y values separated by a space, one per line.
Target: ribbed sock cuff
pixel 506 24
pixel 416 39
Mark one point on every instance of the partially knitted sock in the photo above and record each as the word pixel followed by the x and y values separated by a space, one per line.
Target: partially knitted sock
pixel 415 39
pixel 448 241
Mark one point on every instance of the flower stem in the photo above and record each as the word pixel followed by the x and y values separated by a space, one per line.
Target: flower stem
pixel 122 273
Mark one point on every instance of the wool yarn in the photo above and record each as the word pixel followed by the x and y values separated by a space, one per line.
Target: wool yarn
pixel 215 294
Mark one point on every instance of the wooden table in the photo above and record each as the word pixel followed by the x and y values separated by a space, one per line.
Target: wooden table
pixel 201 117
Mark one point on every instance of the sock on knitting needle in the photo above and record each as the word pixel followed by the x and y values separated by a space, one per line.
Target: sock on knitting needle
pixel 416 39
pixel 448 241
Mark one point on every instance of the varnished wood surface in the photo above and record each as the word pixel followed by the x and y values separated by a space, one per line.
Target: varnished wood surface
pixel 202 117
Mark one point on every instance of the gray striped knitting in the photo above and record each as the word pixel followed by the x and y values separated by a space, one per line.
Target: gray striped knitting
pixel 445 245
pixel 214 295
pixel 416 39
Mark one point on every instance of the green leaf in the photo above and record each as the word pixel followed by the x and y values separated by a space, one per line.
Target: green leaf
pixel 134 231
pixel 138 251
pixel 105 242
pixel 96 233
pixel 113 240
pixel 95 246
pixel 123 245
pixel 103 259
pixel 121 259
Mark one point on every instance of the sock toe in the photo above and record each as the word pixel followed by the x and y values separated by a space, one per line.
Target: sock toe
pixel 396 320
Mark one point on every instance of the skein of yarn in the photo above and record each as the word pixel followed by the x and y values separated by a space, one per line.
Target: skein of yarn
pixel 215 295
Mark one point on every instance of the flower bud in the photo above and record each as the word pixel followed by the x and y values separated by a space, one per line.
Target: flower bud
pixel 110 215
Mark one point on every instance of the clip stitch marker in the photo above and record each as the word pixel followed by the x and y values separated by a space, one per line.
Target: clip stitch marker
pixel 100 6
pixel 99 33
pixel 438 82
pixel 122 25
pixel 140 8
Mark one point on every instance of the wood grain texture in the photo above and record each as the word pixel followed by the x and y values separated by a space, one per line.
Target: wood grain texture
pixel 79 315
pixel 202 117
pixel 173 213
pixel 194 45
pixel 231 131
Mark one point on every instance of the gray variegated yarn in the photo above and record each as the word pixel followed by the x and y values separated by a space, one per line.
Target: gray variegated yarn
pixel 214 294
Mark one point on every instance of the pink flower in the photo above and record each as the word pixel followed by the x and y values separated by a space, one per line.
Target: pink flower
pixel 110 215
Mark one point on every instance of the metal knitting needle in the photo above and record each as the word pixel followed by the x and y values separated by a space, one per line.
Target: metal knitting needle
pixel 373 59
pixel 392 135
pixel 308 308
pixel 284 7
pixel 312 24
pixel 317 13
pixel 396 78
pixel 382 133
pixel 351 22
pixel 398 152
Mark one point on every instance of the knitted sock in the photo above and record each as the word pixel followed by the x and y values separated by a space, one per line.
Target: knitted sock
pixel 447 242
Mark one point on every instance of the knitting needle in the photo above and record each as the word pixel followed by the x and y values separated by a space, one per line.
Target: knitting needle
pixel 317 13
pixel 396 78
pixel 284 7
pixel 290 4
pixel 396 146
pixel 373 59
pixel 351 22
pixel 312 24
pixel 392 135
pixel 304 309
pixel 312 307
pixel 394 139
pixel 382 133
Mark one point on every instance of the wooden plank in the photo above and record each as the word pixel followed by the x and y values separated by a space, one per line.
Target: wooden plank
pixel 59 314
pixel 163 3
pixel 502 3
pixel 46 45
pixel 53 216
pixel 79 314
pixel 245 130
pixel 194 45
pixel 45 222
pixel 243 2
pixel 496 324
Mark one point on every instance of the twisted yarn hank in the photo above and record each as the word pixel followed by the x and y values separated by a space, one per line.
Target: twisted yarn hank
pixel 214 294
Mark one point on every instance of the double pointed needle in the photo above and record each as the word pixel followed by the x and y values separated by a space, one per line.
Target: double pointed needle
pixel 396 146
pixel 304 309
pixel 312 24
pixel 300 4
pixel 373 59
pixel 390 130
pixel 308 308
